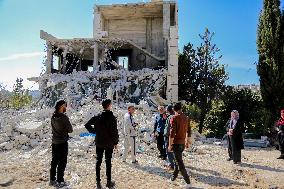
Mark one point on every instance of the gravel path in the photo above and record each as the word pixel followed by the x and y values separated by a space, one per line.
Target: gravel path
pixel 207 167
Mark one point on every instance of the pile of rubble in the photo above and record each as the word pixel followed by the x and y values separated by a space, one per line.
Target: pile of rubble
pixel 30 128
pixel 24 129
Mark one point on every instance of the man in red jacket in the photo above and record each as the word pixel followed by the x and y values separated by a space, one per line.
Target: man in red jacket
pixel 178 140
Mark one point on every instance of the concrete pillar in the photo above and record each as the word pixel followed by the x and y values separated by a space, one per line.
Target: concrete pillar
pixel 64 64
pixel 97 23
pixel 49 58
pixel 97 35
pixel 172 75
pixel 166 20
pixel 96 55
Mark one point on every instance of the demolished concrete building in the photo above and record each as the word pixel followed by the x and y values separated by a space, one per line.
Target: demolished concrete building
pixel 130 37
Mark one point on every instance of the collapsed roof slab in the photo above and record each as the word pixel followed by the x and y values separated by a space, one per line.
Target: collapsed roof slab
pixel 76 45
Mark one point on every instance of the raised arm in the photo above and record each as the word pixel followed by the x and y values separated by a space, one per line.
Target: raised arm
pixel 89 124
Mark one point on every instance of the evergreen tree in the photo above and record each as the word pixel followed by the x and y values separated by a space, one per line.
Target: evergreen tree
pixel 20 97
pixel 201 77
pixel 270 66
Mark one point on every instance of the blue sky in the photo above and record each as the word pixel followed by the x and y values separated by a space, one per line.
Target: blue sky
pixel 21 49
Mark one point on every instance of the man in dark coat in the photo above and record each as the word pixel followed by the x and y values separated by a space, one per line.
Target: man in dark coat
pixel 61 126
pixel 234 128
pixel 105 128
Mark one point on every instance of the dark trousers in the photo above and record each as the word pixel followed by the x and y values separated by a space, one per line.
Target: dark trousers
pixel 59 161
pixel 233 150
pixel 108 156
pixel 161 145
pixel 280 140
pixel 179 165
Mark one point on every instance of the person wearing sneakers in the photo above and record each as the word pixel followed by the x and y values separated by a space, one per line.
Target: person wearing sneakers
pixel 104 125
pixel 61 126
pixel 130 134
pixel 178 141
pixel 170 155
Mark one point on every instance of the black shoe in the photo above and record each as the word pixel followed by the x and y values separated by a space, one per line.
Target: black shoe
pixel 281 157
pixel 160 156
pixel 99 186
pixel 173 177
pixel 110 184
pixel 52 183
pixel 135 162
pixel 61 184
pixel 229 159
pixel 237 162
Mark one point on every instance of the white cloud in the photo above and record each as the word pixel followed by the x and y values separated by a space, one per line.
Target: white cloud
pixel 21 56
pixel 240 62
pixel 24 65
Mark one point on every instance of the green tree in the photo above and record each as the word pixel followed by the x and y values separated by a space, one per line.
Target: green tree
pixel 270 67
pixel 248 104
pixel 201 76
pixel 20 96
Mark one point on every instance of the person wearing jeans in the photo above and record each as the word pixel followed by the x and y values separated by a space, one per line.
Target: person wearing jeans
pixel 104 125
pixel 170 155
pixel 159 127
pixel 61 126
pixel 178 140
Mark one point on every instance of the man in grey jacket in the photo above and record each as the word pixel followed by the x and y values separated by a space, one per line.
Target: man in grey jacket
pixel 130 134
pixel 61 126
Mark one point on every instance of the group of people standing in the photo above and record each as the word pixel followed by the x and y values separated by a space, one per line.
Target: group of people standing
pixel 171 130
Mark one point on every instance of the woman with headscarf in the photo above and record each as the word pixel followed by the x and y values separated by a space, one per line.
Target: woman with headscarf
pixel 280 134
pixel 234 128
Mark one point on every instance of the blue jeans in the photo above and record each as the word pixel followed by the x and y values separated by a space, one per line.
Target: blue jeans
pixel 170 155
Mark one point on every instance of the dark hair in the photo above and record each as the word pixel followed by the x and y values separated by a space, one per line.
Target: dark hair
pixel 177 107
pixel 106 103
pixel 59 104
pixel 170 108
pixel 129 107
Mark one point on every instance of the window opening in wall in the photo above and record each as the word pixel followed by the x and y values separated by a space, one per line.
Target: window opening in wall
pixel 90 68
pixel 55 62
pixel 123 61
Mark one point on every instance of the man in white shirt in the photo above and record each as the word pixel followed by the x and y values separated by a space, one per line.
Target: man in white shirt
pixel 130 134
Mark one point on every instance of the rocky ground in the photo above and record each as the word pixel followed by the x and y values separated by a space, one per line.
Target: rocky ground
pixel 206 164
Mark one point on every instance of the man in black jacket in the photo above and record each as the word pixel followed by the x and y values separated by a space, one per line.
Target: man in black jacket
pixel 104 126
pixel 61 126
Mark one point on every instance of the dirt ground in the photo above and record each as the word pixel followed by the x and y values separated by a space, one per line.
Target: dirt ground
pixel 207 167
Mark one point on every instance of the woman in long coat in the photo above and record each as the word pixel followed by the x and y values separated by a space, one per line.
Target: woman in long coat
pixel 234 128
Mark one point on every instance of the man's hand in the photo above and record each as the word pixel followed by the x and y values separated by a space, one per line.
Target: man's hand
pixel 230 132
pixel 170 148
pixel 187 142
